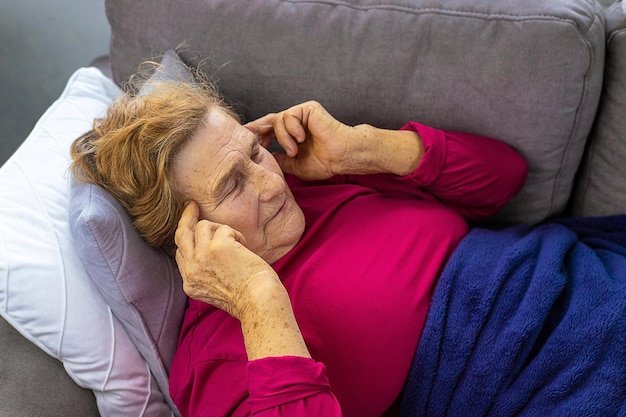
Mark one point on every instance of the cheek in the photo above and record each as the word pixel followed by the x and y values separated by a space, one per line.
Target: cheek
pixel 238 213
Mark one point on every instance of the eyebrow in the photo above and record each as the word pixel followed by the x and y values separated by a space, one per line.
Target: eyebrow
pixel 233 169
pixel 255 145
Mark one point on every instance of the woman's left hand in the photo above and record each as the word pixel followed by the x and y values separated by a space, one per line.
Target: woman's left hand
pixel 317 146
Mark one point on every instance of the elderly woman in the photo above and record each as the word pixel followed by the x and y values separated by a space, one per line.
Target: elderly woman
pixel 309 272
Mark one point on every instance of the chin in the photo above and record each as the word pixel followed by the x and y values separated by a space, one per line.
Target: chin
pixel 288 238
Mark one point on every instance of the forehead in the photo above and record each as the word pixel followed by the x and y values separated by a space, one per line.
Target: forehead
pixel 215 146
pixel 219 136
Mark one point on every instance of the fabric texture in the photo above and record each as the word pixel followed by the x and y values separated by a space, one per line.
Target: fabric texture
pixel 360 282
pixel 528 73
pixel 141 285
pixel 601 188
pixel 45 292
pixel 527 322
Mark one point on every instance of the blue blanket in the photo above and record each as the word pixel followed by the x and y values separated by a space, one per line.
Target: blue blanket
pixel 527 322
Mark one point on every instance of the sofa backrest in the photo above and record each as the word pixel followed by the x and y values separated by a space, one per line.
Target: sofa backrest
pixel 526 72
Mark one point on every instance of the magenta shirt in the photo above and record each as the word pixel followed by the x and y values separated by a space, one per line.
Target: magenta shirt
pixel 360 282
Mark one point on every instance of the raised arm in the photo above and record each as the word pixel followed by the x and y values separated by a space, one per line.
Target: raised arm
pixel 317 146
pixel 473 174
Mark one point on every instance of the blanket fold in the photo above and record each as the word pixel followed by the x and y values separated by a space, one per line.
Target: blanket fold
pixel 527 322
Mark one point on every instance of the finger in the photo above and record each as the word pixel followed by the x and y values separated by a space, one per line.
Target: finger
pixel 265 139
pixel 263 128
pixel 185 232
pixel 227 232
pixel 180 262
pixel 294 125
pixel 204 233
pixel 262 125
pixel 284 138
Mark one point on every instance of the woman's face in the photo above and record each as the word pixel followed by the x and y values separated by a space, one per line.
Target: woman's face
pixel 237 182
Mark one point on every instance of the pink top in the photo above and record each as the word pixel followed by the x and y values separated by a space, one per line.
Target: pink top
pixel 360 281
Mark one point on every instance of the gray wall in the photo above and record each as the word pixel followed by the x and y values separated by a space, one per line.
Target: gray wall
pixel 42 42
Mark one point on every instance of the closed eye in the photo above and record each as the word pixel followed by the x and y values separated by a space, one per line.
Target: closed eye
pixel 233 179
pixel 234 185
pixel 257 156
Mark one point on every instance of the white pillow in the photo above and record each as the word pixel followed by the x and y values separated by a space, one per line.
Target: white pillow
pixel 45 292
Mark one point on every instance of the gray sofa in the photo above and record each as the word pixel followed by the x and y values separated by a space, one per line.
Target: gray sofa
pixel 546 76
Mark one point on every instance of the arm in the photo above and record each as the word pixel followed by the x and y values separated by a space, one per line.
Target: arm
pixel 280 378
pixel 219 270
pixel 317 146
pixel 472 174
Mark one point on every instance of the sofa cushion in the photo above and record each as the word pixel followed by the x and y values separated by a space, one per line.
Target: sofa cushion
pixel 45 292
pixel 601 189
pixel 26 372
pixel 526 72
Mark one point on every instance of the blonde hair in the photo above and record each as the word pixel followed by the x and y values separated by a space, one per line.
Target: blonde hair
pixel 129 151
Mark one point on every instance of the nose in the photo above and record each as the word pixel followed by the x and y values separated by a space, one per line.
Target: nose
pixel 268 183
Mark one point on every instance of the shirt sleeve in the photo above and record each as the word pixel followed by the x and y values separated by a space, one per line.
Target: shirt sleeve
pixel 268 387
pixel 290 386
pixel 474 175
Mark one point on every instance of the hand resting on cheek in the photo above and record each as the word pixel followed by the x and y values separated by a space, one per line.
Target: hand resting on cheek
pixel 216 266
pixel 218 269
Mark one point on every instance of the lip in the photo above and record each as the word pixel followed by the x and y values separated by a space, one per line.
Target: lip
pixel 280 210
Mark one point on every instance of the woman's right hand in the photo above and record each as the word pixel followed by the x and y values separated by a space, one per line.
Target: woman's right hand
pixel 219 270
pixel 216 266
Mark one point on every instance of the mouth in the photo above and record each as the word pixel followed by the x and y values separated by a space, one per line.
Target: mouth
pixel 280 210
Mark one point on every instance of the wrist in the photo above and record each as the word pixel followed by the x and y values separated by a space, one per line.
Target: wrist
pixel 396 152
pixel 257 295
pixel 269 326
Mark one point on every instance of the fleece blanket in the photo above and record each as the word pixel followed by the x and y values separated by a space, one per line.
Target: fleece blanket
pixel 527 322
